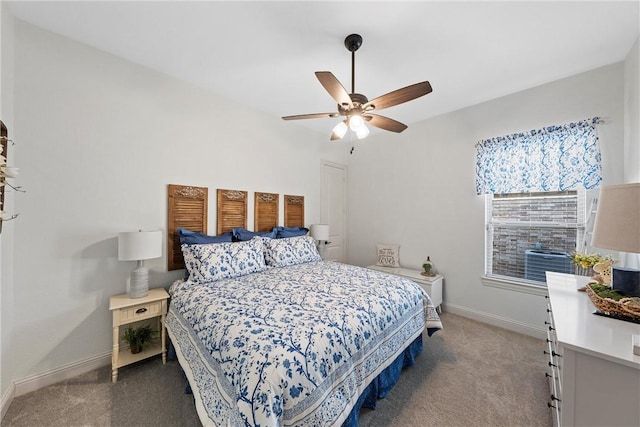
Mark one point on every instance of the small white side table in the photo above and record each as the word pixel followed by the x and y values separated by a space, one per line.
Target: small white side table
pixel 127 310
pixel 431 284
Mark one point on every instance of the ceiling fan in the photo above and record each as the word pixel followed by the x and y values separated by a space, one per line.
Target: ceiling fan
pixel 355 107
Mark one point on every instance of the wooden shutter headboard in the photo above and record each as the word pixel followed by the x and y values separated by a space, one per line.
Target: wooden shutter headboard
pixel 187 209
pixel 265 211
pixel 293 211
pixel 232 210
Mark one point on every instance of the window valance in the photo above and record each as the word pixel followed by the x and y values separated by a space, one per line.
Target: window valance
pixel 554 158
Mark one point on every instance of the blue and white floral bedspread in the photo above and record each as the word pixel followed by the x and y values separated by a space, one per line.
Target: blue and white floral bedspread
pixel 292 345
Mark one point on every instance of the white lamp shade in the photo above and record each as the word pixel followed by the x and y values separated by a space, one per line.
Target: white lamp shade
pixel 362 132
pixel 319 231
pixel 340 130
pixel 139 245
pixel 617 225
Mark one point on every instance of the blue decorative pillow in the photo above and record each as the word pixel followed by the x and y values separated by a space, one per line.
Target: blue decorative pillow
pixel 290 251
pixel 216 261
pixel 242 234
pixel 284 232
pixel 189 237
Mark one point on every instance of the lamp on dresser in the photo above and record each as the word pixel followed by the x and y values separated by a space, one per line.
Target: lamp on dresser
pixel 139 246
pixel 617 227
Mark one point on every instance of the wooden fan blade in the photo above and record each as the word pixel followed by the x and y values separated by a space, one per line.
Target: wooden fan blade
pixel 399 96
pixel 334 87
pixel 385 123
pixel 311 116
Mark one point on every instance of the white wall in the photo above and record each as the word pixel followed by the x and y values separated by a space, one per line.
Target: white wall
pixel 100 139
pixel 6 238
pixel 632 115
pixel 417 188
pixel 632 129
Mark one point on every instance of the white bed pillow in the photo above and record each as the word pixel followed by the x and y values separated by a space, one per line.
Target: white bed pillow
pixel 290 251
pixel 388 255
pixel 216 261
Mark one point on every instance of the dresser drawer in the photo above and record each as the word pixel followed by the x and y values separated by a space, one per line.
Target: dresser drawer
pixel 140 312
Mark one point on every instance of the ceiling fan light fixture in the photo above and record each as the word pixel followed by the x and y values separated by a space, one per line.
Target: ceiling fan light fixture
pixel 340 130
pixel 356 122
pixel 362 131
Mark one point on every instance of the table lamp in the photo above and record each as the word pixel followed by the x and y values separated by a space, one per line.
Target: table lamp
pixel 138 246
pixel 617 227
pixel 319 233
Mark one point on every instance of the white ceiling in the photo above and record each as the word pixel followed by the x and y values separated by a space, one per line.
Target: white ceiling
pixel 264 54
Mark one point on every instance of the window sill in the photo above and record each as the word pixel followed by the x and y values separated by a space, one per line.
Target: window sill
pixel 514 285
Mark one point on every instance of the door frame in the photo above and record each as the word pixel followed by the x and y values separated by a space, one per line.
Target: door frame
pixel 324 207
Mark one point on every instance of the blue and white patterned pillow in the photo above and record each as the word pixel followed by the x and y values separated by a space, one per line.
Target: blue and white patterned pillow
pixel 290 251
pixel 216 261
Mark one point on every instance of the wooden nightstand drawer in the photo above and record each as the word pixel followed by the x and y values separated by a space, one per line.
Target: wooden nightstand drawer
pixel 140 312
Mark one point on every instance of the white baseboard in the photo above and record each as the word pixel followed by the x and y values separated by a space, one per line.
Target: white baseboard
pixel 35 382
pixel 7 398
pixel 491 319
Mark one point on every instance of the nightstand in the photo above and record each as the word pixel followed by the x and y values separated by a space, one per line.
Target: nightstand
pixel 127 310
pixel 431 284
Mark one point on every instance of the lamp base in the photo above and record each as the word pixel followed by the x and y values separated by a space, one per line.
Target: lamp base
pixel 139 282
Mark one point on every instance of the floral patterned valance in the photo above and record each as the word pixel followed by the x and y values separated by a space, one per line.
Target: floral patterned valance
pixel 554 158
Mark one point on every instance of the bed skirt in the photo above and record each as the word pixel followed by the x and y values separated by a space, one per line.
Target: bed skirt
pixel 383 383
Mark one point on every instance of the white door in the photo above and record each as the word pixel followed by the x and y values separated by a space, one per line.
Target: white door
pixel 333 209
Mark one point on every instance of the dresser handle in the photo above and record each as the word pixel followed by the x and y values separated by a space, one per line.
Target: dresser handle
pixel 555 398
pixel 141 310
pixel 551 328
pixel 547 374
pixel 553 353
pixel 551 364
pixel 550 405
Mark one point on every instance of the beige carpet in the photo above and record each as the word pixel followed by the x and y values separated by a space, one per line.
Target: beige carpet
pixel 470 374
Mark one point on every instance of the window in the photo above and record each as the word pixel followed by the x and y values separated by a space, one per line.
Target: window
pixel 529 233
pixel 534 186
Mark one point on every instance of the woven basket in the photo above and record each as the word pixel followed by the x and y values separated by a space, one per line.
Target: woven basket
pixel 627 307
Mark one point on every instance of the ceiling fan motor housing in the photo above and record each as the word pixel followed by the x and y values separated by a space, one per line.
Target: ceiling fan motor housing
pixel 353 42
pixel 358 100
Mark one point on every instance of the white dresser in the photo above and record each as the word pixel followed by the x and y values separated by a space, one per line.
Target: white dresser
pixel 431 284
pixel 593 374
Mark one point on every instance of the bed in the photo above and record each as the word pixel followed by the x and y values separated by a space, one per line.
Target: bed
pixel 268 334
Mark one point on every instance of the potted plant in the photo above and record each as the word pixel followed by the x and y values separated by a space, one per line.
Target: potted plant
pixel 427 268
pixel 136 337
pixel 584 262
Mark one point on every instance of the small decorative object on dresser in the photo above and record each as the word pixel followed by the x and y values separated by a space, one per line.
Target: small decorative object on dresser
pixel 428 268
pixel 388 255
pixel 584 262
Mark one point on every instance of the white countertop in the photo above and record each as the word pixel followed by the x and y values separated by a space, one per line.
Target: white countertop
pixel 581 330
